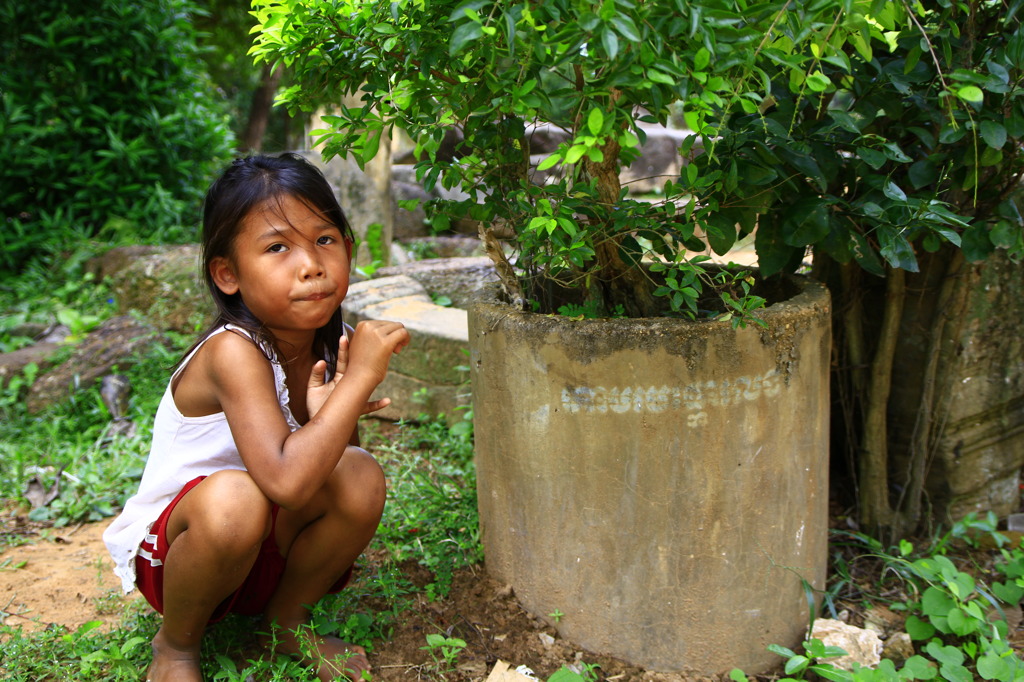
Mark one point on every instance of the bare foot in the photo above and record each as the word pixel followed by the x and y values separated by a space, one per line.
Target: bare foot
pixel 333 658
pixel 171 664
pixel 340 659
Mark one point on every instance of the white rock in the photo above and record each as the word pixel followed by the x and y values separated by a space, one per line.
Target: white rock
pixel 862 646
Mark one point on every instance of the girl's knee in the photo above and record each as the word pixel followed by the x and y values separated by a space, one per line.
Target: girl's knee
pixel 232 506
pixel 358 486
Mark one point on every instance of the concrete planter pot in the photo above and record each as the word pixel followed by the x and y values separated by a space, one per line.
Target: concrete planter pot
pixel 661 483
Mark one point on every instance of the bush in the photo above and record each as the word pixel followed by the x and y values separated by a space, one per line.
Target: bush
pixel 108 126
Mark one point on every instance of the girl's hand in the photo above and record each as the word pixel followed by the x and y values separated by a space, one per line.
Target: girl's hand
pixel 319 389
pixel 373 343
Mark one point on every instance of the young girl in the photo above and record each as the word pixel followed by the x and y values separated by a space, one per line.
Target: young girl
pixel 256 497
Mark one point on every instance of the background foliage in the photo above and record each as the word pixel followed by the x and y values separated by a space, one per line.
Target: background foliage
pixel 107 123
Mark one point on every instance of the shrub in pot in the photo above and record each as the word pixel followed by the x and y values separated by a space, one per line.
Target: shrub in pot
pixel 601 71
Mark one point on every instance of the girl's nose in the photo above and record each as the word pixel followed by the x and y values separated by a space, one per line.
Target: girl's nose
pixel 311 266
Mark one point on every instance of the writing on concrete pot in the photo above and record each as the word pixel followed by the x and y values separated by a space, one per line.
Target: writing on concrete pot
pixel 692 398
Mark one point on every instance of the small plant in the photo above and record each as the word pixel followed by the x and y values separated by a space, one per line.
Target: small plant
pixel 441 300
pixel 11 394
pixel 444 651
pixel 588 310
pixel 583 672
pixel 556 615
pixel 797 666
pixel 374 243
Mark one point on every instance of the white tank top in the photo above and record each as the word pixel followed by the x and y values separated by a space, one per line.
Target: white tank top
pixel 183 448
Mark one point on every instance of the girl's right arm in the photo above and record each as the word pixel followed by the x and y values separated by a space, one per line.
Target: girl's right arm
pixel 291 466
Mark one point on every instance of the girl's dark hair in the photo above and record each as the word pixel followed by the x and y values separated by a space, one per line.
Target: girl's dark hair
pixel 245 185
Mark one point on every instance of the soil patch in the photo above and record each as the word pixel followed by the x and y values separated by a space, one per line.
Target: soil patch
pixel 62 576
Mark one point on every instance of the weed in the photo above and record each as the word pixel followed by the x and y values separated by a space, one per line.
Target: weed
pixel 110 603
pixel 421 250
pixel 444 651
pixel 589 310
pixel 556 615
pixel 582 672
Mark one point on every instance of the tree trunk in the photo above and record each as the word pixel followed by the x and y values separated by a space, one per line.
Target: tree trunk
pixel 929 390
pixel 259 109
pixel 617 283
pixel 875 508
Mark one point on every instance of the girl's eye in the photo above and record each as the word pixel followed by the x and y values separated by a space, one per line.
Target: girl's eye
pixel 277 248
pixel 325 240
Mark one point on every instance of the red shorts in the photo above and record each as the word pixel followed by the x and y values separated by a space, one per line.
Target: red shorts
pixel 250 599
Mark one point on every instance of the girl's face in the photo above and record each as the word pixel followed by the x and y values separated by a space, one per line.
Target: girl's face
pixel 290 265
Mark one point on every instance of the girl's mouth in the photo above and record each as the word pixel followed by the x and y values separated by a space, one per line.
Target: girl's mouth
pixel 317 296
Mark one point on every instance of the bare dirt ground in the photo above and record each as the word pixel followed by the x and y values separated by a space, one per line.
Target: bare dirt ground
pixel 64 576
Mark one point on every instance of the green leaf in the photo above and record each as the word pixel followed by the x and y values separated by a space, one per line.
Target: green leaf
pixel 920 668
pixel 818 82
pixel 872 157
pixel 575 153
pixel 918 629
pixel 721 232
pixel 626 28
pixel 566 675
pixel 865 255
pixel 960 623
pixel 1005 235
pixel 610 42
pixel 774 255
pixel 796 664
pixel 830 672
pixel 971 94
pixel 806 164
pixel 780 650
pixel 895 249
pixel 993 133
pixel 464 34
pixel 807 222
pixel 975 243
pixel 595 121
pixel 992 667
pixel 936 602
pixel 660 77
pixel 944 654
pixel 846 121
pixel 701 59
pixel 893 191
pixel 956 673
pixel 548 162
pixel 922 174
